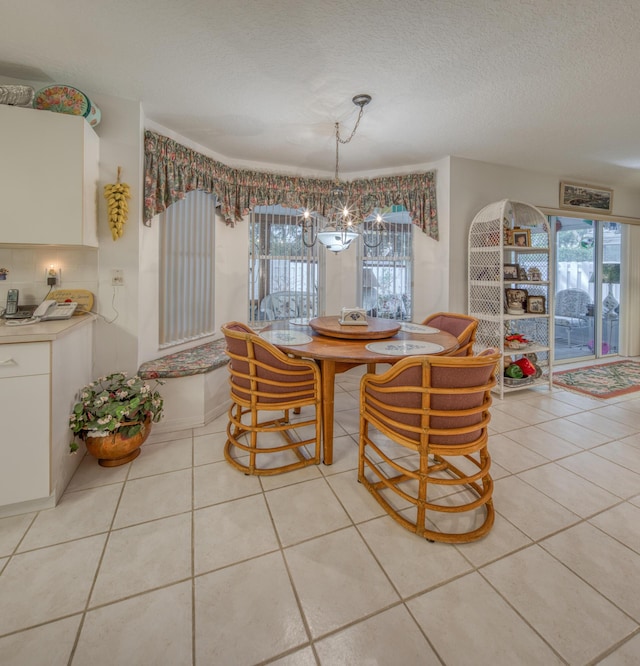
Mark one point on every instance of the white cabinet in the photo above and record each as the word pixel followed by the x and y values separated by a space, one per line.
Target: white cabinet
pixel 48 178
pixel 24 405
pixel 38 385
pixel 502 272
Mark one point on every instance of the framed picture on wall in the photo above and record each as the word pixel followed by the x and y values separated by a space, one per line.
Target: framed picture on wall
pixel 586 198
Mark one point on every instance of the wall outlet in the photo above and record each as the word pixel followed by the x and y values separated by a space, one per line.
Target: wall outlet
pixel 117 277
pixel 52 276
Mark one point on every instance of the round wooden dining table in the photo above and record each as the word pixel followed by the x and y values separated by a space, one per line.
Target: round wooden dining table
pixel 338 348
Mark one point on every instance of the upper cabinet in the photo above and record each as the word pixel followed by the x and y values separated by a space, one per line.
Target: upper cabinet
pixel 48 178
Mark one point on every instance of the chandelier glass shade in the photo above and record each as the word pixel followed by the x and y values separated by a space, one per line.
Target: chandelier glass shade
pixel 342 225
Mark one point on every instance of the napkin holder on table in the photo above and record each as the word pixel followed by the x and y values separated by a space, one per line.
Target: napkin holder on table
pixel 353 317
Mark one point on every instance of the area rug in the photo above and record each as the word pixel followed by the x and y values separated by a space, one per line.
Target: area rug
pixel 601 381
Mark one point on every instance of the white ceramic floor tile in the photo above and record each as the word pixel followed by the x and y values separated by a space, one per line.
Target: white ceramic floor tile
pixel 290 478
pixel 544 443
pixel 78 514
pixel 622 522
pixel 167 436
pixel 527 413
pixel 575 619
pixel 337 580
pixel 603 473
pixel 573 596
pixel 217 425
pixel 48 583
pixel 254 598
pixel 583 402
pixel 12 529
pixel 219 482
pixel 345 455
pixel 49 644
pixel 572 491
pixel 605 426
pixel 153 629
pixel 349 420
pixel 503 539
pixel 143 557
pixel 550 405
pixel 589 552
pixel 512 456
pixel 574 433
pixel 632 440
pixel 619 414
pixel 90 474
pixel 627 654
pixel 162 457
pixel 387 639
pixel 232 532
pixel 304 657
pixel 357 500
pixel 486 629
pixel 503 421
pixel 529 510
pixel 623 454
pixel 154 497
pixel 305 510
pixel 345 401
pixel 413 563
pixel 209 448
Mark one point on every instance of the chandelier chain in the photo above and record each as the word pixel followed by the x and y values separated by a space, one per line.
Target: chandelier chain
pixel 343 141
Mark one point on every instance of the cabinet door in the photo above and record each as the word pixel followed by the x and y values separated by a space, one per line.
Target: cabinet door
pixel 43 177
pixel 24 442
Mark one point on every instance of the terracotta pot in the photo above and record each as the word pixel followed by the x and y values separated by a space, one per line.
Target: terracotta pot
pixel 114 450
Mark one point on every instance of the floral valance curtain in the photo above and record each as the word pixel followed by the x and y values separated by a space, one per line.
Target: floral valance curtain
pixel 172 170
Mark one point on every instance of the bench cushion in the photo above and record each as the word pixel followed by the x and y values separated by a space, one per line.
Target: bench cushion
pixel 194 361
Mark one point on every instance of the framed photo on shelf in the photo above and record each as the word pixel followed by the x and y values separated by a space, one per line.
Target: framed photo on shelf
pixel 536 305
pixel 511 272
pixel 586 198
pixel 521 237
pixel 516 299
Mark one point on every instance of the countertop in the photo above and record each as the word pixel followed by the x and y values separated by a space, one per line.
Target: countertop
pixel 43 331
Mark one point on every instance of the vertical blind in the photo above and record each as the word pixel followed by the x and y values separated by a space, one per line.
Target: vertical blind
pixel 187 269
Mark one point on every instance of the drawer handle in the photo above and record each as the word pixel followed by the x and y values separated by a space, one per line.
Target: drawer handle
pixel 9 361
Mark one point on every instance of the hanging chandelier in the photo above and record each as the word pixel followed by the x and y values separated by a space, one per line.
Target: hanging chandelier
pixel 342 225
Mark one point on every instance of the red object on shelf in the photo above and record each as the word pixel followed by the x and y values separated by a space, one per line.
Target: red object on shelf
pixel 526 366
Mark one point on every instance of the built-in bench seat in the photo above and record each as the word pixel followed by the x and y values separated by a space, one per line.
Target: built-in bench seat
pixel 194 361
pixel 193 392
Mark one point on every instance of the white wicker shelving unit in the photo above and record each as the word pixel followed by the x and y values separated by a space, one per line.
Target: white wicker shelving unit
pixel 488 254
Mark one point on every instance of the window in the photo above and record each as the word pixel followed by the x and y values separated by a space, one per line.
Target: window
pixel 187 269
pixel 283 272
pixel 387 269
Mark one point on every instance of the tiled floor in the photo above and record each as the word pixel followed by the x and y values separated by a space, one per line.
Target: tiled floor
pixel 178 559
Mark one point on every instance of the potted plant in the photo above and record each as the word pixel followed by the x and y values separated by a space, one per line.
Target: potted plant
pixel 3 273
pixel 113 416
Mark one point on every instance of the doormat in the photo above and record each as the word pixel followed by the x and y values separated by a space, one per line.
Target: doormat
pixel 601 381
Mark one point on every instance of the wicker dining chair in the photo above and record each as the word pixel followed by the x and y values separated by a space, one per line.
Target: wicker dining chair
pixel 438 408
pixel 263 380
pixel 464 327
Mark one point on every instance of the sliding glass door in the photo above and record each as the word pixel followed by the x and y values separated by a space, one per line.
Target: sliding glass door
pixel 587 299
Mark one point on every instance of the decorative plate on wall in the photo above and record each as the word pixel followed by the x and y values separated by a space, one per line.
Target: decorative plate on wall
pixel 62 99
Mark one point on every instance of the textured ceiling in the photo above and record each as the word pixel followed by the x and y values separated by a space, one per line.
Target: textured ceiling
pixel 546 85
